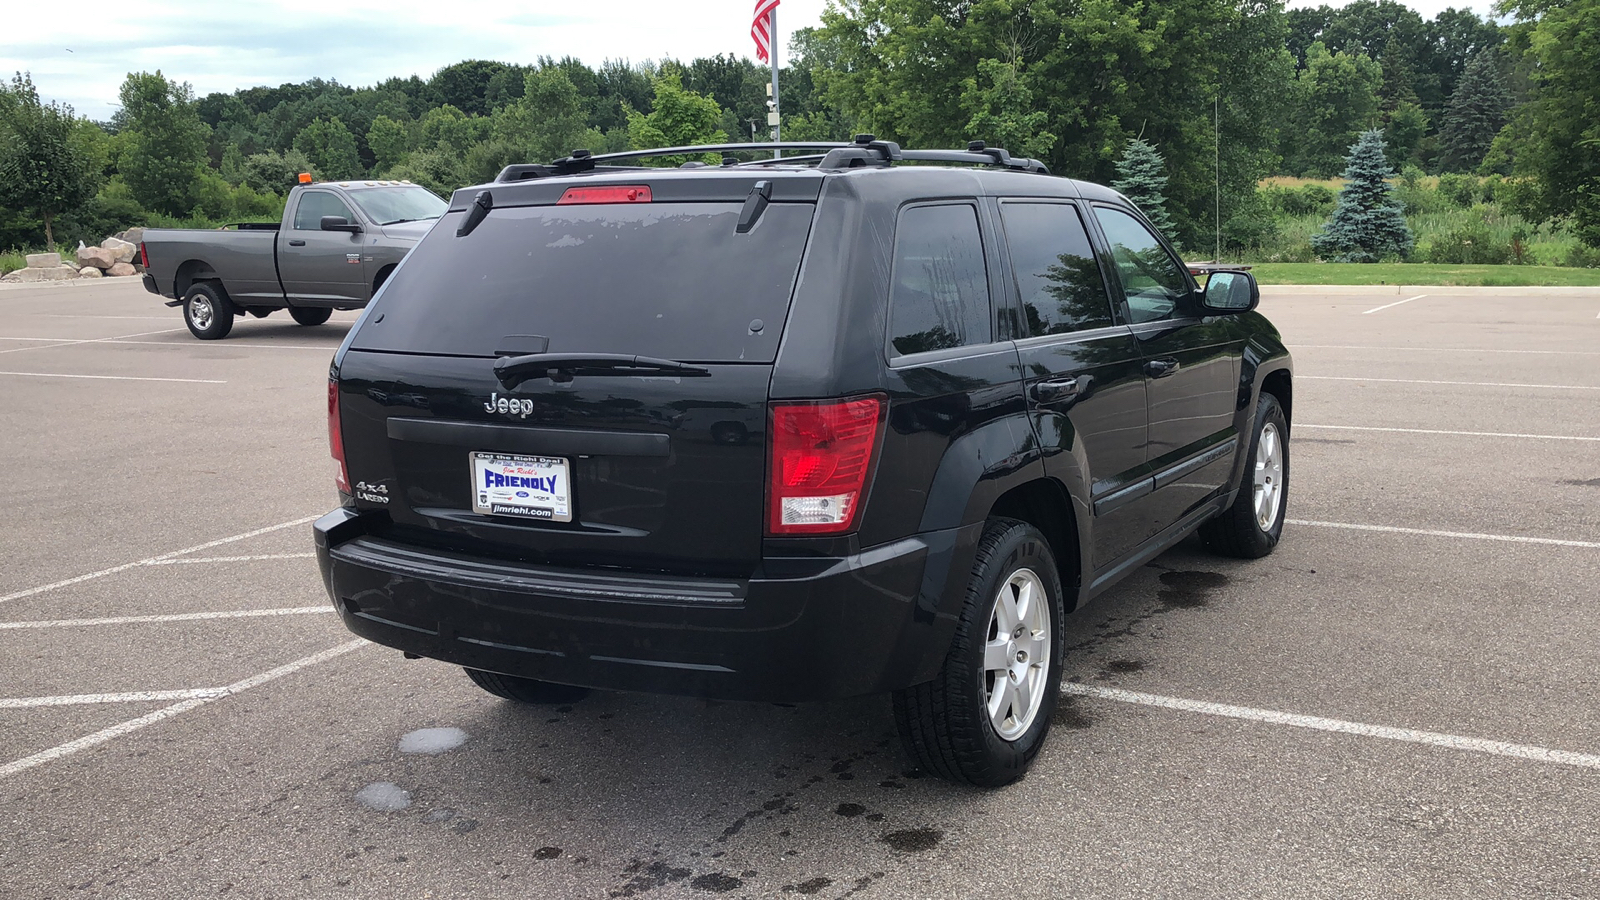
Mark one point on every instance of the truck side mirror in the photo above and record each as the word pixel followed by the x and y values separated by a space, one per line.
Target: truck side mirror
pixel 339 223
pixel 1230 292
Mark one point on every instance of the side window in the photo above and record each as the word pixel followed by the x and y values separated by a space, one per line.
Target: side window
pixel 1057 274
pixel 316 204
pixel 940 293
pixel 1151 278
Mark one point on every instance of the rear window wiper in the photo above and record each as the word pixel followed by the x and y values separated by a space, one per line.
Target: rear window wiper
pixel 514 370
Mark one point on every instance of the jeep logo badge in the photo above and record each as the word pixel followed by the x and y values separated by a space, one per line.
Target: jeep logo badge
pixel 509 405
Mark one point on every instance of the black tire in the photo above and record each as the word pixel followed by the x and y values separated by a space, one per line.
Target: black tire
pixel 207 311
pixel 944 724
pixel 1237 530
pixel 310 315
pixel 526 690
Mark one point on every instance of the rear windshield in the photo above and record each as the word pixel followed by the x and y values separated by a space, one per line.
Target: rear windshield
pixel 672 280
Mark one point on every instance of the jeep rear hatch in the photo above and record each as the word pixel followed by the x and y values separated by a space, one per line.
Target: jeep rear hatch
pixel 626 426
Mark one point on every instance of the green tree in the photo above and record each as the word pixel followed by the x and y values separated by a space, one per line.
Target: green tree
pixel 1368 225
pixel 1142 178
pixel 166 150
pixel 1335 99
pixel 450 129
pixel 548 121
pixel 1476 114
pixel 331 148
pixel 1002 110
pixel 679 117
pixel 390 141
pixel 274 172
pixel 42 169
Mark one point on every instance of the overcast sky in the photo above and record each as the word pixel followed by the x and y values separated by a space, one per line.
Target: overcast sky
pixel 222 46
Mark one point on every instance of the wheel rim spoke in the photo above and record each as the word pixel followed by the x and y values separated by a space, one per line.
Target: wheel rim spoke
pixel 1016 656
pixel 997 656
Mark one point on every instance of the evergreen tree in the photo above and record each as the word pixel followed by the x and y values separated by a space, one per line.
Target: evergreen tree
pixel 1476 114
pixel 1368 224
pixel 1142 178
pixel 331 148
pixel 166 149
pixel 41 166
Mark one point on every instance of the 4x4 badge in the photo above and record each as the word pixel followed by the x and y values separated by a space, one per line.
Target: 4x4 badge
pixel 509 405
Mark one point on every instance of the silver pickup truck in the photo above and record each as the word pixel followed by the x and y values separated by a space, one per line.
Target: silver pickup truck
pixel 337 243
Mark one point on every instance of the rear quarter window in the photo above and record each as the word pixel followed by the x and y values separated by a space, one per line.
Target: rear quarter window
pixel 939 293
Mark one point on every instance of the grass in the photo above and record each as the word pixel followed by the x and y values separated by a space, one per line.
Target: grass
pixel 1425 274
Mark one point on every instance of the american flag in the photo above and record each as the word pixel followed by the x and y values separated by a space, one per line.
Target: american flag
pixel 759 28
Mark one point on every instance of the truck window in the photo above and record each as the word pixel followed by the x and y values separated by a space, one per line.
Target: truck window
pixel 1057 275
pixel 316 204
pixel 940 293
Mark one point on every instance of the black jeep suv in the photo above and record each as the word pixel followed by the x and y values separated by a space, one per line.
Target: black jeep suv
pixel 863 420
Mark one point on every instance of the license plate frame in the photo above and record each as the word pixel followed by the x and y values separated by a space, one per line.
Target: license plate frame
pixel 538 504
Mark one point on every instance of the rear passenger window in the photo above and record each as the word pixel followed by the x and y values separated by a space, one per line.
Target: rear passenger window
pixel 940 293
pixel 1057 275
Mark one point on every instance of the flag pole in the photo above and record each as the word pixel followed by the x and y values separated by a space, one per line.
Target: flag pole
pixel 772 25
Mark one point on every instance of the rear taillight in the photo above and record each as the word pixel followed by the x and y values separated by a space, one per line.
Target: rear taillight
pixel 144 256
pixel 817 468
pixel 612 193
pixel 336 437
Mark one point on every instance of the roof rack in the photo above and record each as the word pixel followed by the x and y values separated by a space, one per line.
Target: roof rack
pixel 865 150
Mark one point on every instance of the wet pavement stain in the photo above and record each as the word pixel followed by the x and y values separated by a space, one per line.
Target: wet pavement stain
pixel 716 883
pixel 1124 666
pixel 850 810
pixel 1189 590
pixel 915 840
pixel 1068 715
pixel 1593 482
pixel 648 877
pixel 547 853
pixel 809 886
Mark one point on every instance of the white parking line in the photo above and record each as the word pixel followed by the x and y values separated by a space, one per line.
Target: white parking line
pixel 1396 303
pixel 175 617
pixel 67 342
pixel 112 377
pixel 1564 387
pixel 167 712
pixel 1443 349
pixel 1271 717
pixel 81 316
pixel 86 699
pixel 1498 434
pixel 1507 538
pixel 226 559
pixel 18 595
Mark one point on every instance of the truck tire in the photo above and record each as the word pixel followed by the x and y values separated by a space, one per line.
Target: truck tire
pixel 526 690
pixel 984 718
pixel 1252 526
pixel 207 312
pixel 310 315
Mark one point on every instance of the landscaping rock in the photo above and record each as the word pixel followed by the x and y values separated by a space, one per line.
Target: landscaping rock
pixel 90 272
pixel 121 269
pixel 98 257
pixel 121 249
pixel 43 260
pixel 132 235
pixel 34 275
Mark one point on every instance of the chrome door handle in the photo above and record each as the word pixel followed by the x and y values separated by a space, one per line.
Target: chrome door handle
pixel 1160 368
pixel 1059 389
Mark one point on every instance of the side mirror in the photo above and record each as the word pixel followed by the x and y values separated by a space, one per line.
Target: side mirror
pixel 339 223
pixel 1230 292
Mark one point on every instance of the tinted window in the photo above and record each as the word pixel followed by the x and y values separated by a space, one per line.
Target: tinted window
pixel 940 293
pixel 1057 275
pixel 1150 277
pixel 316 204
pixel 670 280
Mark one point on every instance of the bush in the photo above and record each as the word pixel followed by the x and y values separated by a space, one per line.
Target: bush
pixel 1306 200
pixel 1475 244
pixel 1462 190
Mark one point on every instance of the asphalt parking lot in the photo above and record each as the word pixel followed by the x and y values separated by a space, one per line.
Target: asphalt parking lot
pixel 1400 702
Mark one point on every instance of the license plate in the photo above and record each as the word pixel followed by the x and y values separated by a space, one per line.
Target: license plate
pixel 526 487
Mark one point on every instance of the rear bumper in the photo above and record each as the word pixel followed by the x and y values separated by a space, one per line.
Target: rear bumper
pixel 809 629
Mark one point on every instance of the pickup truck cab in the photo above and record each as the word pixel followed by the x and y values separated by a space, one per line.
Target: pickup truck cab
pixel 335 247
